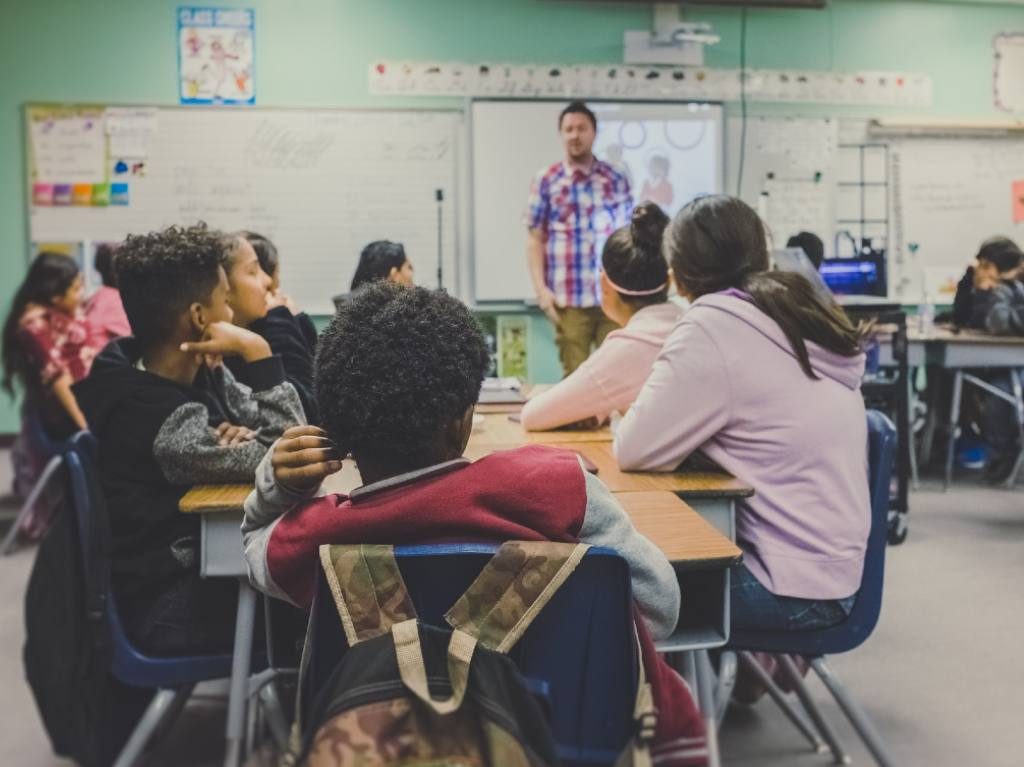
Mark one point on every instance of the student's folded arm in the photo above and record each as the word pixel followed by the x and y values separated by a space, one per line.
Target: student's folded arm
pixel 685 402
pixel 655 587
pixel 187 451
pixel 266 504
pixel 269 405
pixel 575 398
pixel 1005 312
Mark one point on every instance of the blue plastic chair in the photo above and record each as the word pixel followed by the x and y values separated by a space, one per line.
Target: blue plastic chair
pixel 853 631
pixel 579 655
pixel 171 677
pixel 53 449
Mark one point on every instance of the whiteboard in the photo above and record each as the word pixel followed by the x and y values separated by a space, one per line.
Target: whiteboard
pixel 320 183
pixel 950 194
pixel 511 141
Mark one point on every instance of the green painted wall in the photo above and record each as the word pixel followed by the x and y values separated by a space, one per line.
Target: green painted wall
pixel 316 53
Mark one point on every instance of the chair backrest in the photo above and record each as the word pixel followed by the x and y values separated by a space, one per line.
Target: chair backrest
pixel 579 655
pixel 861 622
pixel 127 663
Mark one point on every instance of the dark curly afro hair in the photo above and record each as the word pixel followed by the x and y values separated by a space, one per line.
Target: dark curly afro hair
pixel 161 274
pixel 394 369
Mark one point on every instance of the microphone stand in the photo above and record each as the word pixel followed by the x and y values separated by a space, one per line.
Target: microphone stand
pixel 439 196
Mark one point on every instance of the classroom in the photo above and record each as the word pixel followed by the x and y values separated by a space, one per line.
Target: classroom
pixel 512 382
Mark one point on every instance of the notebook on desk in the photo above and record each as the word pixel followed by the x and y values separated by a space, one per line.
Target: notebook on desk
pixel 501 391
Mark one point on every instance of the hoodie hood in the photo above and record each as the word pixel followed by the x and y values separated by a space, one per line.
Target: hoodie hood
pixel 847 371
pixel 651 325
pixel 115 379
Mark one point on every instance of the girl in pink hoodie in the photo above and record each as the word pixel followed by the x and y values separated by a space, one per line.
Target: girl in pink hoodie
pixel 763 377
pixel 634 293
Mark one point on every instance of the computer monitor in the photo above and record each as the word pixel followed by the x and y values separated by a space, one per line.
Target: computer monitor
pixel 855 276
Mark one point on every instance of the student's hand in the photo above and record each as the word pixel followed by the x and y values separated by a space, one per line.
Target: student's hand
pixel 225 339
pixel 546 302
pixel 303 458
pixel 228 434
pixel 277 299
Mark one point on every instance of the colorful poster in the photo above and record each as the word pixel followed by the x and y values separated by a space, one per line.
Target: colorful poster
pixel 1017 195
pixel 513 347
pixel 68 145
pixel 215 55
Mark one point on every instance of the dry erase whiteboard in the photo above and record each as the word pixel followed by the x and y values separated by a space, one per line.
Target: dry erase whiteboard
pixel 320 183
pixel 950 194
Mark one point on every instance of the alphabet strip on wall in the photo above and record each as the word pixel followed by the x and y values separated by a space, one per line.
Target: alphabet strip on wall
pixel 425 78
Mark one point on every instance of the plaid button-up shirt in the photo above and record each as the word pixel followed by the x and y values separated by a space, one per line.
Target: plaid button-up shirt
pixel 577 210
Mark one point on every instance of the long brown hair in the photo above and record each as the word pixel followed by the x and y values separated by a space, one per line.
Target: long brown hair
pixel 718 242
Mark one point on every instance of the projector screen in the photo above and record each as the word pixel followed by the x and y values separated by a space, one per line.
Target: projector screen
pixel 670 153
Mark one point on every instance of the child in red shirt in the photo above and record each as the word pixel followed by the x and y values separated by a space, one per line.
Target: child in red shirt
pixel 398 374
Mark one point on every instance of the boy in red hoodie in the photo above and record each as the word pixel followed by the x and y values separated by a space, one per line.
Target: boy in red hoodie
pixel 398 375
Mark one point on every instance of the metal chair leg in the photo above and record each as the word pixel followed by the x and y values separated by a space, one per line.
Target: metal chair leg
pixel 854 713
pixel 954 419
pixel 824 728
pixel 706 702
pixel 26 508
pixel 727 666
pixel 163 704
pixel 750 663
pixel 1018 396
pixel 270 703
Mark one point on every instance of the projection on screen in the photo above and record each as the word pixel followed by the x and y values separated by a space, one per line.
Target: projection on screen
pixel 671 153
pixel 667 161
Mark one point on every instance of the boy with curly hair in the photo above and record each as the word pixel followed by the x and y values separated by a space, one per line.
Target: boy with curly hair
pixel 398 373
pixel 168 415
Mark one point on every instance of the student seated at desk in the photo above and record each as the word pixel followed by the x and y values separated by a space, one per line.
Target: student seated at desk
pixel 165 420
pixel 104 309
pixel 634 294
pixel 382 260
pixel 398 375
pixel 763 377
pixel 270 263
pixel 256 308
pixel 993 282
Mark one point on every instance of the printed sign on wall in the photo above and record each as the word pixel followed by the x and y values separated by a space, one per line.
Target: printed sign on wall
pixel 215 55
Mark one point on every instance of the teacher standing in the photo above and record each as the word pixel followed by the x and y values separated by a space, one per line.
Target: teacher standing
pixel 574 207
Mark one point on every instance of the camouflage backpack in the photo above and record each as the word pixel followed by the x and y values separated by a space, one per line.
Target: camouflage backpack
pixel 408 693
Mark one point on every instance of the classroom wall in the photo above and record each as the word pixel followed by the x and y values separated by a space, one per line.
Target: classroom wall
pixel 316 53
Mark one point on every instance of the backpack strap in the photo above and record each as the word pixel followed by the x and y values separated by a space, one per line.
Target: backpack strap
pixel 413 670
pixel 368 589
pixel 512 589
pixel 637 752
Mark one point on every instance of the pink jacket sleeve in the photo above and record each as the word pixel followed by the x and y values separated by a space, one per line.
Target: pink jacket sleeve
pixel 684 403
pixel 596 388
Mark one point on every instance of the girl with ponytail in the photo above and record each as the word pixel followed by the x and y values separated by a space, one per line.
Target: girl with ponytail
pixel 763 377
pixel 634 294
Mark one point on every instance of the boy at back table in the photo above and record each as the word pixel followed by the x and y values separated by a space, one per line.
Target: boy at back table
pixel 168 415
pixel 397 378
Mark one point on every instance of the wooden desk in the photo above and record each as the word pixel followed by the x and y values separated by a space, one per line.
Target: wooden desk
pixel 497 429
pixel 681 533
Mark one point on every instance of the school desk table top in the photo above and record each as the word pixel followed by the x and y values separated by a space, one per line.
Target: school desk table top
pixel 674 526
pixel 952 349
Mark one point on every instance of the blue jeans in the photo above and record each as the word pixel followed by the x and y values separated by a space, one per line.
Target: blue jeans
pixel 754 607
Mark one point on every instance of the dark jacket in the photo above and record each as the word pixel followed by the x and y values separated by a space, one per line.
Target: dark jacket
pixel 293 339
pixel 1003 308
pixel 963 302
pixel 156 439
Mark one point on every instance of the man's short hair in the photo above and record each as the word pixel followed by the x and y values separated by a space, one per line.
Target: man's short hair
pixel 811 245
pixel 161 274
pixel 577 107
pixel 396 367
pixel 1002 252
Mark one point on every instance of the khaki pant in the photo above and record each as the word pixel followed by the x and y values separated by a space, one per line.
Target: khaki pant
pixel 578 330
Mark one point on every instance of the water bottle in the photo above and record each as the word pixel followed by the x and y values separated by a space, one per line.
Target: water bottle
pixel 926 315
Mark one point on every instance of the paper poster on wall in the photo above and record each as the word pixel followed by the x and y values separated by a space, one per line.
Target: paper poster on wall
pixel 1008 78
pixel 68 146
pixel 216 55
pixel 130 131
pixel 1017 200
pixel 513 347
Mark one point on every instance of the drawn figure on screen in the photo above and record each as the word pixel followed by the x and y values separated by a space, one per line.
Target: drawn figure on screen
pixel 657 188
pixel 613 156
pixel 574 206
